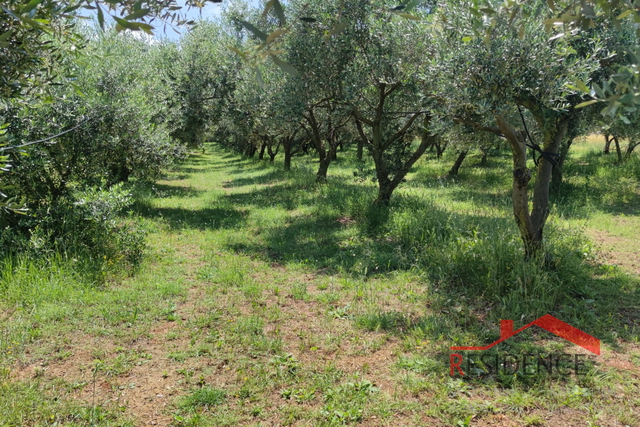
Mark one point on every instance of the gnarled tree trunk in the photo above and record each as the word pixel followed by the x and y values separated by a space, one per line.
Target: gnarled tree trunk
pixel 360 149
pixel 288 143
pixel 250 150
pixel 326 147
pixel 570 133
pixel 607 143
pixel 456 166
pixel 531 224
pixel 618 150
pixel 273 147
pixel 556 173
pixel 378 144
pixel 287 157
pixel 632 145
pixel 440 147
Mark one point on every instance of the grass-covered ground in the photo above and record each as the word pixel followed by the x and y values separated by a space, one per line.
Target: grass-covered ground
pixel 265 299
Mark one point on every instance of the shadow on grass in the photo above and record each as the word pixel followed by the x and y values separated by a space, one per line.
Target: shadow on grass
pixel 310 240
pixel 165 191
pixel 475 261
pixel 398 323
pixel 191 170
pixel 482 196
pixel 594 181
pixel 265 178
pixel 289 196
pixel 176 177
pixel 201 219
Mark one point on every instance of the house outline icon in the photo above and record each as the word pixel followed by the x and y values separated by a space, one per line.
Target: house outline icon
pixel 548 323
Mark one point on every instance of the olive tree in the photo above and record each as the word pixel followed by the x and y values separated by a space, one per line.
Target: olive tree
pixel 507 73
pixel 202 73
pixel 320 47
pixel 117 121
pixel 270 103
pixel 616 130
pixel 386 86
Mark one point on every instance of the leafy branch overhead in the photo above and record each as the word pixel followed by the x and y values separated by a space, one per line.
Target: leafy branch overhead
pixel 268 48
pixel 269 39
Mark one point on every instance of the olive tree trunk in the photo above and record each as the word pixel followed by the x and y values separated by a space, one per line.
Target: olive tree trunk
pixel 287 157
pixel 456 166
pixel 618 150
pixel 273 147
pixel 290 147
pixel 531 223
pixel 326 145
pixel 607 143
pixel 388 180
pixel 250 150
pixel 632 146
pixel 557 174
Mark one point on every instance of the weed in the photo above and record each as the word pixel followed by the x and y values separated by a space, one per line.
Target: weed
pixel 533 420
pixel 299 395
pixel 204 397
pixel 341 312
pixel 285 364
pixel 385 321
pixel 345 404
pixel 299 292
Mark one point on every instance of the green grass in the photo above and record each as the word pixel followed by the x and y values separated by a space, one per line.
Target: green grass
pixel 265 299
pixel 203 398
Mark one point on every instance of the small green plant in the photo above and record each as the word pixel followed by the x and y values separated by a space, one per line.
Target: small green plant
pixel 345 403
pixel 170 313
pixel 177 356
pixel 285 364
pixel 299 292
pixel 299 395
pixel 341 312
pixel 204 397
pixel 533 420
pixel 420 364
pixel 385 321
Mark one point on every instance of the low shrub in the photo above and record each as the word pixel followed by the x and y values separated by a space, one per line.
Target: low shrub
pixel 86 226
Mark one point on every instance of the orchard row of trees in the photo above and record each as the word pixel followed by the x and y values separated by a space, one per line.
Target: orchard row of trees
pixel 397 81
pixel 394 80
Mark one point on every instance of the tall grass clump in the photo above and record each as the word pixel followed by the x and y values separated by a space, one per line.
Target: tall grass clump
pixel 481 257
pixel 26 282
pixel 40 294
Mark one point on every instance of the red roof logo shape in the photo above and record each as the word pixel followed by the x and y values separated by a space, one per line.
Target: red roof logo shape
pixel 549 323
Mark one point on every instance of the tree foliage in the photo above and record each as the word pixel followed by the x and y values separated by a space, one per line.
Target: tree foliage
pixel 302 77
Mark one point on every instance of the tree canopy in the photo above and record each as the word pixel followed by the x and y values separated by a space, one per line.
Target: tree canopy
pixel 314 77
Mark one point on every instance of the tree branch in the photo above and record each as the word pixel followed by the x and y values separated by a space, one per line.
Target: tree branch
pixel 493 129
pixel 363 136
pixel 359 117
pixel 402 131
pixel 427 141
pixel 13 147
